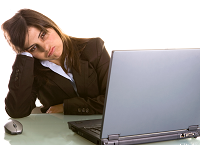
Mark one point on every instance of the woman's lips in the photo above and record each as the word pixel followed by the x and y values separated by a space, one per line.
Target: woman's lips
pixel 51 51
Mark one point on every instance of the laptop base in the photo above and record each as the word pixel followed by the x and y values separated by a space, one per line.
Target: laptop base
pixel 149 138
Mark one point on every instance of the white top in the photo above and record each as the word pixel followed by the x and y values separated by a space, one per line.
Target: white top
pixel 57 69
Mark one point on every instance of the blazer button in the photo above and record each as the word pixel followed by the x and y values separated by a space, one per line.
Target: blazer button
pixel 16 74
pixel 83 110
pixel 16 78
pixel 79 110
pixel 17 70
pixel 87 110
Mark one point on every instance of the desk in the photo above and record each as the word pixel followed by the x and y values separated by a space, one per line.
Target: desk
pixel 52 129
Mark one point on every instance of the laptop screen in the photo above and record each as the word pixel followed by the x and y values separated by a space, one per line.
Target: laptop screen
pixel 152 91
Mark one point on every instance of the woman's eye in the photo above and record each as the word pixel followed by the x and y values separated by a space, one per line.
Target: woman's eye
pixel 43 34
pixel 33 48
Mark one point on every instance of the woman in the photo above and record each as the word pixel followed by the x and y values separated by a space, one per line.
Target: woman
pixel 66 74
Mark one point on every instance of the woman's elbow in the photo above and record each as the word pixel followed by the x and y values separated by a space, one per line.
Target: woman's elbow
pixel 17 114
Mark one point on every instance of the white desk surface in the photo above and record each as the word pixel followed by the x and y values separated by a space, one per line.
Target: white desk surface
pixel 52 129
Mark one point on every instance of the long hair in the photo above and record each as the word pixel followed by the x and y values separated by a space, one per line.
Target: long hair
pixel 16 29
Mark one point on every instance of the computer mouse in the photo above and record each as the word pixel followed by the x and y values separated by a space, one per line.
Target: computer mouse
pixel 13 127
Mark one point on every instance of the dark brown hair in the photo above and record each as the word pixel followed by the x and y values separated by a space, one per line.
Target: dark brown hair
pixel 16 28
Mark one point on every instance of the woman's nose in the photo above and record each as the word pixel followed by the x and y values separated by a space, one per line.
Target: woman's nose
pixel 46 48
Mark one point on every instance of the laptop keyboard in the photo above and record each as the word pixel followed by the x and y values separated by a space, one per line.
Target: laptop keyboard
pixel 96 129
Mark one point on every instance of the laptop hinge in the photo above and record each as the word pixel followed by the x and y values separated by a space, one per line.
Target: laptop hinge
pixel 112 140
pixel 193 127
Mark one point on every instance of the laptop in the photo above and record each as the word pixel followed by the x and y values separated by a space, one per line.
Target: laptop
pixel 152 95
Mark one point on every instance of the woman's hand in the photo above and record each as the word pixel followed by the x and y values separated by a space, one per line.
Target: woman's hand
pixel 55 109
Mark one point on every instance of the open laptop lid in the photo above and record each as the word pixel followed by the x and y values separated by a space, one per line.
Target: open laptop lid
pixel 152 91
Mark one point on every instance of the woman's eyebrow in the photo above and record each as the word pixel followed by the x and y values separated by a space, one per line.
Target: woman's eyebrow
pixel 34 44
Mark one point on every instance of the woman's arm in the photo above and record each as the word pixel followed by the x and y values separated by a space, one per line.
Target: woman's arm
pixel 21 97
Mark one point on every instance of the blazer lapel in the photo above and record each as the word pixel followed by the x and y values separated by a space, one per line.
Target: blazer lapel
pixel 62 82
pixel 80 78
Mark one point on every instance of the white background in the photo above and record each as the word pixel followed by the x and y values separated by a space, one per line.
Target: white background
pixel 122 24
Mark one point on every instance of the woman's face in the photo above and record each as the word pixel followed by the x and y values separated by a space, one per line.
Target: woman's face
pixel 44 46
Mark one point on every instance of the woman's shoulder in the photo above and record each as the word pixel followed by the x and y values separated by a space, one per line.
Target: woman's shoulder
pixel 96 41
pixel 93 48
pixel 95 45
pixel 86 41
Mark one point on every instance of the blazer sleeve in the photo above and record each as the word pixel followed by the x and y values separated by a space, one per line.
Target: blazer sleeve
pixel 21 98
pixel 92 105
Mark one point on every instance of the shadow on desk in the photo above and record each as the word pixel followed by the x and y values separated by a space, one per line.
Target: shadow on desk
pixel 49 129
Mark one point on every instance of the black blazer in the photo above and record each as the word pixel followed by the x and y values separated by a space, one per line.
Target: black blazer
pixel 91 85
